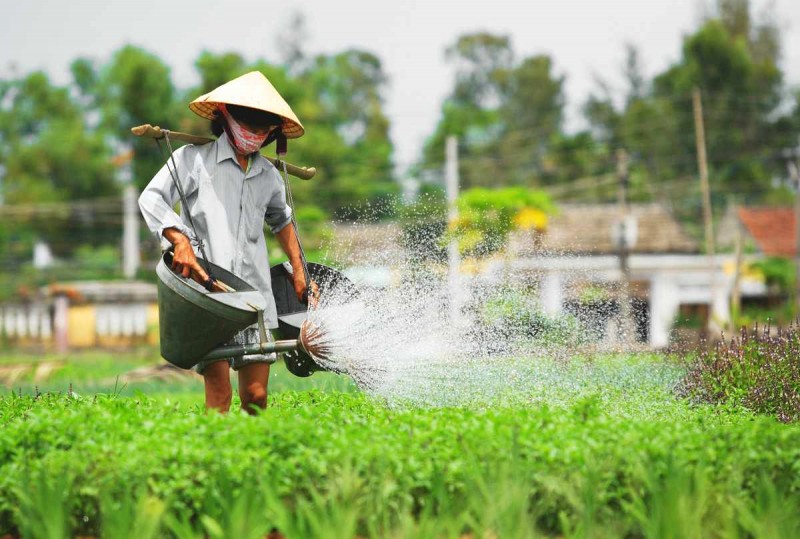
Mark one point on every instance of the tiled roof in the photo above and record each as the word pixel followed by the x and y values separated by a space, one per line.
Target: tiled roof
pixel 587 229
pixel 773 229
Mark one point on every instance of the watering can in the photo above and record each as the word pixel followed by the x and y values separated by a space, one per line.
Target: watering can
pixel 293 313
pixel 195 323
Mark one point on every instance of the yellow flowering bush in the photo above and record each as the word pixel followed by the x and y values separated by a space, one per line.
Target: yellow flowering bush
pixel 486 216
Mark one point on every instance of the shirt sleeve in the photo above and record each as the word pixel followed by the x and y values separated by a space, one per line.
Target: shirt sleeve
pixel 160 196
pixel 278 213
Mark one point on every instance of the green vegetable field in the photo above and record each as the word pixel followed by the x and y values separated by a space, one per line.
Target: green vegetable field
pixel 607 447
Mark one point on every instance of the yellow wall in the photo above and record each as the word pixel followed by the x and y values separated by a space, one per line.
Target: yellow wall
pixel 152 324
pixel 81 326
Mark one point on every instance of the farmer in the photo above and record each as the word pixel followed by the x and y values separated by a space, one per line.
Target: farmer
pixel 231 190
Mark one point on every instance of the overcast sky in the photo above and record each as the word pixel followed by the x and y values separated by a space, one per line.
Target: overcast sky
pixel 585 38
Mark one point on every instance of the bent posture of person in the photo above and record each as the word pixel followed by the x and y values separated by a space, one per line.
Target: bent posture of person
pixel 231 191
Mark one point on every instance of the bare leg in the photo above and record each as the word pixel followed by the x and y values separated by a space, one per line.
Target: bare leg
pixel 253 380
pixel 218 386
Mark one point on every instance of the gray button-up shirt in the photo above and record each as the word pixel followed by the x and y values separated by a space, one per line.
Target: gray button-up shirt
pixel 228 207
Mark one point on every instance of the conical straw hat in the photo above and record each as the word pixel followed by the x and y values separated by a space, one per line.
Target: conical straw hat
pixel 251 90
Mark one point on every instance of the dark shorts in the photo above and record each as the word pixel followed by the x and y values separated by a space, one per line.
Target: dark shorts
pixel 247 335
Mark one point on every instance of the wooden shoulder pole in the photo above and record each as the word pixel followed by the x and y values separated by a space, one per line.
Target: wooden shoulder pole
pixel 155 132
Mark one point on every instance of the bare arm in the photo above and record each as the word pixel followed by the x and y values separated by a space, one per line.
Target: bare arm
pixel 287 237
pixel 184 260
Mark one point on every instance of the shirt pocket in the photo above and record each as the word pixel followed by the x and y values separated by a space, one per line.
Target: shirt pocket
pixel 205 206
pixel 254 204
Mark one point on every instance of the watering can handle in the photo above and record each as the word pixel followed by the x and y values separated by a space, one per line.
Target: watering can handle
pixel 262 329
pixel 211 284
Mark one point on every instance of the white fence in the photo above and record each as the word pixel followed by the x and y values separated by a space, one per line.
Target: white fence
pixel 113 320
pixel 32 321
pixel 91 325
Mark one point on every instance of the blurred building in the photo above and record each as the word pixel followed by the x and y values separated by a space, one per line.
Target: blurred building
pixel 84 314
pixel 576 268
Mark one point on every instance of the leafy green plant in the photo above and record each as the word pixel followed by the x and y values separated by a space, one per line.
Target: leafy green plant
pixel 486 216
pixel 44 502
pixel 779 273
pixel 689 321
pixel 512 313
pixel 595 447
pixel 759 370
pixel 130 513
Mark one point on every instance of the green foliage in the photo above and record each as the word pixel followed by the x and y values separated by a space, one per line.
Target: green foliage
pixel 691 321
pixel 513 314
pixel 779 276
pixel 95 371
pixel 619 458
pixel 486 216
pixel 86 263
pixel 315 234
pixel 504 112
pixel 424 222
pixel 130 513
pixel 507 113
pixel 778 273
pixel 58 141
pixel 348 90
pixel 45 501
pixel 135 88
pixel 48 152
pixel 759 371
pixel 732 58
pixel 217 69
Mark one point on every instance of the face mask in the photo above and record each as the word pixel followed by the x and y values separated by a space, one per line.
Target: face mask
pixel 246 142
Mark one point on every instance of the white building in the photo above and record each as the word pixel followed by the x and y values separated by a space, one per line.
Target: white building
pixel 669 277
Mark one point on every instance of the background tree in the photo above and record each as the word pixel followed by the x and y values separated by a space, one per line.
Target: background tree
pixel 532 117
pixel 135 88
pixel 504 113
pixel 482 62
pixel 44 136
pixel 733 59
pixel 49 155
pixel 348 89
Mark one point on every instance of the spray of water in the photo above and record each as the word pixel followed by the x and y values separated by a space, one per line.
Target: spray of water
pixel 404 343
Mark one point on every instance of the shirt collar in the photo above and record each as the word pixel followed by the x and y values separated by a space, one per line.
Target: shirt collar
pixel 224 148
pixel 225 151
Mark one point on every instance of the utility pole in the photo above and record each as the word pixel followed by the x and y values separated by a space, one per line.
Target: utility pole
pixel 623 249
pixel 702 165
pixel 453 256
pixel 130 215
pixel 736 293
pixel 130 212
pixel 130 232
pixel 794 174
pixel 2 177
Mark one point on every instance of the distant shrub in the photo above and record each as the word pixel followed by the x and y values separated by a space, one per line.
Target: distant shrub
pixel 778 273
pixel 513 314
pixel 487 216
pixel 757 370
pixel 424 223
